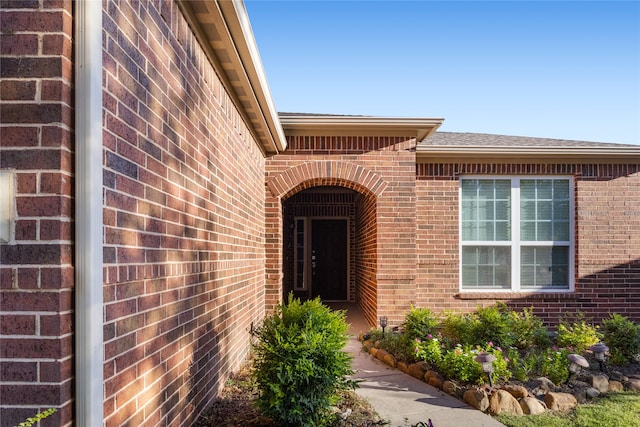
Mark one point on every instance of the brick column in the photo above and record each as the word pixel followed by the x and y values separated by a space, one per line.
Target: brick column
pixel 36 273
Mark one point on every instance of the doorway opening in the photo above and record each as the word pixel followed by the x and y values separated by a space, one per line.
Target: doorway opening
pixel 329 238
pixel 321 256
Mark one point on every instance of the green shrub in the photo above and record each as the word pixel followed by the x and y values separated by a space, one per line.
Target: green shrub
pixel 578 335
pixel 459 364
pixel 429 350
pixel 622 337
pixel 399 346
pixel 419 323
pixel 554 364
pixel 522 365
pixel 460 328
pixel 300 362
pixel 528 330
pixel 493 325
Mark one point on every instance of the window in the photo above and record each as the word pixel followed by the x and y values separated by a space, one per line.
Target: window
pixel 516 233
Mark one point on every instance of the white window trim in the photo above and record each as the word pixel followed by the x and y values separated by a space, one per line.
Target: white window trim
pixel 515 241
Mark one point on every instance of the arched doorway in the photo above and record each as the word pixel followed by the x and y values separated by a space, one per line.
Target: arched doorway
pixel 319 245
pixel 326 199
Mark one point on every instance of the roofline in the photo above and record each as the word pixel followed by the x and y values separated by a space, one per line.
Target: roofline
pixel 242 73
pixel 625 154
pixel 319 125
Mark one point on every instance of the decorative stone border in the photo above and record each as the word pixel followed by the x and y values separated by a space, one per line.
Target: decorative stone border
pixel 513 399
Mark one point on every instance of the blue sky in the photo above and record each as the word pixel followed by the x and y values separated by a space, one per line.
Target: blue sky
pixel 544 68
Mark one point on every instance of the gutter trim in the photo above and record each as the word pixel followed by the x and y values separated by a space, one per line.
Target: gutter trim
pixel 89 345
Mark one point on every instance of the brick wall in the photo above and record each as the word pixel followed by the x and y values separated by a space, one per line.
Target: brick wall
pixel 382 169
pixel 184 221
pixel 36 270
pixel 607 207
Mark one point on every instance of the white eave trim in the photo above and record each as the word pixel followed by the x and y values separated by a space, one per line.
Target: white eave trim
pixel 415 127
pixel 625 154
pixel 242 33
pixel 242 73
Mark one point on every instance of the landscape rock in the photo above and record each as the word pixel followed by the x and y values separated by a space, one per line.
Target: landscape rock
pixel 477 399
pixel 615 386
pixel 581 395
pixel 450 387
pixel 415 370
pixel 560 401
pixel 532 406
pixel 541 386
pixel 367 344
pixel 592 392
pixel 402 366
pixel 617 376
pixel 434 379
pixel 633 384
pixel 381 354
pixel 503 402
pixel 599 382
pixel 373 351
pixel 516 391
pixel 389 360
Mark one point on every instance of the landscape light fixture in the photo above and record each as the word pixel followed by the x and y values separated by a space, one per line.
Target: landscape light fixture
pixel 599 351
pixel 383 323
pixel 575 363
pixel 486 361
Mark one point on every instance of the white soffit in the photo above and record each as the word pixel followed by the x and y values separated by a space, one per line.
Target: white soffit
pixel 224 32
pixel 325 125
pixel 623 154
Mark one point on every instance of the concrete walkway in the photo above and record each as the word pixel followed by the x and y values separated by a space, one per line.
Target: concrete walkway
pixel 400 398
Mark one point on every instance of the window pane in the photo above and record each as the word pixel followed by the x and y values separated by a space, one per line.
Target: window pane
pixel 544 231
pixel 561 189
pixel 544 210
pixel 486 267
pixel 544 267
pixel 484 202
pixel 561 231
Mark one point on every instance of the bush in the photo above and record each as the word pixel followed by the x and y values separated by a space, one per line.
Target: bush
pixel 522 365
pixel 622 337
pixel 460 328
pixel 419 323
pixel 429 350
pixel 493 326
pixel 459 363
pixel 579 335
pixel 528 330
pixel 554 364
pixel 300 365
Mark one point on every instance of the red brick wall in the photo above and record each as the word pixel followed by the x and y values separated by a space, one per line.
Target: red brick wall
pixel 36 270
pixel 184 221
pixel 607 206
pixel 383 170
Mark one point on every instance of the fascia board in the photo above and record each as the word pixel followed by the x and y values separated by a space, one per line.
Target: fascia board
pixel 240 69
pixel 416 127
pixel 621 154
pixel 242 34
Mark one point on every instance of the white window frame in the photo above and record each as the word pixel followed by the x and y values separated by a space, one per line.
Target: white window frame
pixel 515 243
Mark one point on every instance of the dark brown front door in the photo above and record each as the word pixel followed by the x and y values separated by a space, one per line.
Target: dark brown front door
pixel 329 259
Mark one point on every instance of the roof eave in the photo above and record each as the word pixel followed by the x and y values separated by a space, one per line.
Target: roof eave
pixel 319 125
pixel 224 31
pixel 484 153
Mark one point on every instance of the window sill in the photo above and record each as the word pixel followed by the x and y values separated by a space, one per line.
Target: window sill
pixel 554 295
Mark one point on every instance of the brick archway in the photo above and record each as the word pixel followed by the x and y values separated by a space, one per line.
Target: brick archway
pixel 283 185
pixel 311 174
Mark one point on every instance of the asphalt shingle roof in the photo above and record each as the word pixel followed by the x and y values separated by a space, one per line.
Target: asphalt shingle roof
pixel 461 139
